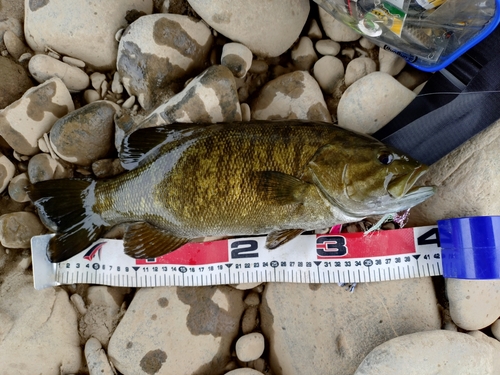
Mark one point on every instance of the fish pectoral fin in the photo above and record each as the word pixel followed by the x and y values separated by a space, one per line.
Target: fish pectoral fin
pixel 281 187
pixel 280 237
pixel 142 240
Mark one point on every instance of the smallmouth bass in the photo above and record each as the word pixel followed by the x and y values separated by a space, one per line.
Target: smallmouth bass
pixel 187 181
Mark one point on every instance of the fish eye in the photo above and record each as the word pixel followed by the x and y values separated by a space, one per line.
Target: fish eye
pixel 385 157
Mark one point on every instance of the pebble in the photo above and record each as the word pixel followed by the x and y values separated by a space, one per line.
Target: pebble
pixel 298 317
pixel 335 29
pixel 314 31
pixel 371 102
pixel 295 95
pixel 97 79
pixel 249 322
pixel 10 23
pixel 86 134
pixel 252 299
pixel 97 361
pixel 246 114
pixel 358 68
pixel 102 313
pixel 327 47
pixel 107 168
pixel 25 121
pixel 158 49
pixel 259 67
pixel 17 228
pixel 14 81
pixel 17 188
pixel 7 171
pixel 366 43
pixel 495 329
pixel 249 347
pixel 303 54
pixel 210 97
pixel 116 85
pixel 243 371
pixel 30 317
pixel 389 62
pixel 329 72
pixel 246 286
pixel 43 167
pixel 14 44
pixel 56 24
pixel 433 352
pixel 43 68
pixel 79 303
pixel 237 57
pixel 162 324
pixel 274 25
pixel 91 96
pixel 75 62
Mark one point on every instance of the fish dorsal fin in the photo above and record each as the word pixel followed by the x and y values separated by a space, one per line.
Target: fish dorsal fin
pixel 281 187
pixel 142 240
pixel 145 144
pixel 280 237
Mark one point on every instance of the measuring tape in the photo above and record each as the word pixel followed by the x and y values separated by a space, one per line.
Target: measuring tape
pixel 319 258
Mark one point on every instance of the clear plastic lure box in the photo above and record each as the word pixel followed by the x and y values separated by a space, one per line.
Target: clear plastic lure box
pixel 428 34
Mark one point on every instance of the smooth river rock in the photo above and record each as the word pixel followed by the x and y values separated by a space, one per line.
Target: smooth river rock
pixel 267 27
pixel 83 29
pixel 322 329
pixel 163 325
pixel 159 49
pixel 335 29
pixel 14 81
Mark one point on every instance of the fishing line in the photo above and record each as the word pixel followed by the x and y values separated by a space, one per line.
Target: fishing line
pixel 458 93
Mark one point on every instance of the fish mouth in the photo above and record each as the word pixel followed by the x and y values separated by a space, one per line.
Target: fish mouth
pixel 401 186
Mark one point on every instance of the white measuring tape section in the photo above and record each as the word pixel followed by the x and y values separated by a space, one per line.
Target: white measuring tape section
pixel 326 258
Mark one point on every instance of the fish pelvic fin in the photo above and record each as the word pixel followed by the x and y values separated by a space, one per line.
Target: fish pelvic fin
pixel 66 207
pixel 280 237
pixel 143 240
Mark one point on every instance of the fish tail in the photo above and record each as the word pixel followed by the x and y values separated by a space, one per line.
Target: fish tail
pixel 66 206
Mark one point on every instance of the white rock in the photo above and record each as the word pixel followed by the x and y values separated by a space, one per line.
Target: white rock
pixel 495 329
pixel 14 44
pixel 328 71
pixel 245 112
pixel 75 62
pixel 97 362
pixel 43 68
pixel 460 178
pixel 434 352
pixel 116 85
pixel 39 329
pixel 162 324
pixel 349 52
pixel 342 327
pixel 250 347
pixel 371 102
pixel 389 62
pixel 327 47
pixel 246 286
pixel 243 371
pixel 43 167
pixel 97 79
pixel 314 31
pixel 7 171
pixel 303 54
pixel 335 29
pixel 474 304
pixel 17 188
pixel 17 228
pixel 358 68
pixel 26 120
pixel 91 96
pixel 237 57
pixel 366 44
pixel 167 47
pixel 129 103
pixel 73 28
pixel 294 95
pixel 268 28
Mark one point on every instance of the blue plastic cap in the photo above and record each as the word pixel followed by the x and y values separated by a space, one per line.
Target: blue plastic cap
pixel 470 247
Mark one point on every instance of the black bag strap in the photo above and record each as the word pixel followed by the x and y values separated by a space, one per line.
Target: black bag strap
pixel 455 104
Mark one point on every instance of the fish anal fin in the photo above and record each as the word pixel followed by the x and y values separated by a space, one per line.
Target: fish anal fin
pixel 142 240
pixel 281 187
pixel 280 237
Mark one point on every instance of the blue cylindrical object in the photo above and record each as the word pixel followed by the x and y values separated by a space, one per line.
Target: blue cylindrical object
pixel 470 247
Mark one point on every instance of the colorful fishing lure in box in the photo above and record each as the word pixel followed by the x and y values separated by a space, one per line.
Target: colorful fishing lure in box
pixel 428 34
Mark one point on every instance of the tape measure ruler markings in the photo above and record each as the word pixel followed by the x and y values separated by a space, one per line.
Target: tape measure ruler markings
pixel 339 258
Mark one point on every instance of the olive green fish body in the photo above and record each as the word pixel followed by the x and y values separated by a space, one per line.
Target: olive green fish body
pixel 188 181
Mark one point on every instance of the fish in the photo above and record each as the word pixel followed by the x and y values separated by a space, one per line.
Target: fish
pixel 186 181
